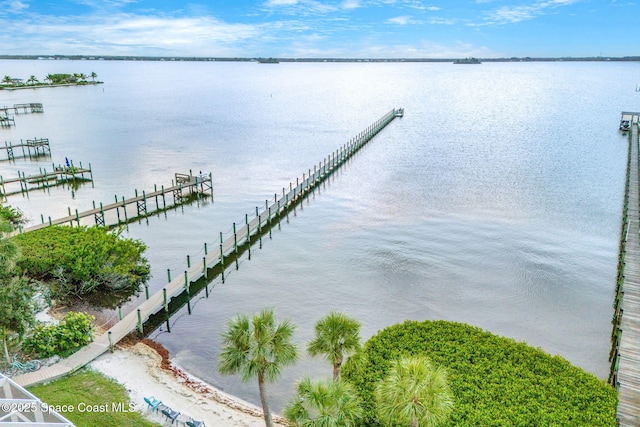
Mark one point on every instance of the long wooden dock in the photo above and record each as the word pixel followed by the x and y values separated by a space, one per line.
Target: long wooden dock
pixel 180 285
pixel 184 187
pixel 44 179
pixel 40 147
pixel 625 351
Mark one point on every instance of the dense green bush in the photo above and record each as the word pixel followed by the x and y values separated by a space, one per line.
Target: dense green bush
pixel 495 381
pixel 72 333
pixel 87 263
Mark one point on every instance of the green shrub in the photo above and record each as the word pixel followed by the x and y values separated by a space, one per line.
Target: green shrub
pixel 495 380
pixel 72 333
pixel 87 263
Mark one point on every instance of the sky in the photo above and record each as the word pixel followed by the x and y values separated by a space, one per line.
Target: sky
pixel 321 28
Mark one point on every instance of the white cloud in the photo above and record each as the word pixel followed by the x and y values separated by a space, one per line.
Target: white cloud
pixel 276 3
pixel 399 20
pixel 351 4
pixel 434 8
pixel 14 6
pixel 124 34
pixel 514 14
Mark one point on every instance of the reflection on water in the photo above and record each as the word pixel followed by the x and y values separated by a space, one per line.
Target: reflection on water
pixel 495 201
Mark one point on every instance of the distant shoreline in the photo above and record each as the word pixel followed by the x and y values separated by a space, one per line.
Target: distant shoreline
pixel 283 59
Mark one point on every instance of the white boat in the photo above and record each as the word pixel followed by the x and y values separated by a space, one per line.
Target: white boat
pixel 625 122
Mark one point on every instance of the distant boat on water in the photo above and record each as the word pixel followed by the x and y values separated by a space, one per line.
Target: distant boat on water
pixel 467 61
pixel 268 61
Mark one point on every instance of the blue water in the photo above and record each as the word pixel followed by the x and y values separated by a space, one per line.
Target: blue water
pixel 495 201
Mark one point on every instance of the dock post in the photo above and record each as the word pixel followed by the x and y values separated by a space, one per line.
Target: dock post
pixel 120 312
pixel 211 184
pixel 146 290
pixel 2 182
pixel 164 202
pixel 166 303
pixel 188 261
pixel 204 267
pixel 168 275
pixel 110 342
pixel 140 322
pixel 124 208
pixel 166 308
pixel 77 217
pixel 42 218
pixel 205 248
pixel 235 239
pixel 50 223
pixel 221 257
pixel 155 190
pixel 186 288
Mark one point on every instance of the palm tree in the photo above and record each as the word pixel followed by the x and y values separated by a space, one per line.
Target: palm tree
pixel 324 404
pixel 336 336
pixel 32 80
pixel 258 347
pixel 6 79
pixel 414 393
pixel 93 76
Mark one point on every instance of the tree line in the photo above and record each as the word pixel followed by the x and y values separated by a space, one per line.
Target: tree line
pixel 52 79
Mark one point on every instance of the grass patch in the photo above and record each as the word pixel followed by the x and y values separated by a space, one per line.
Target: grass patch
pixel 91 399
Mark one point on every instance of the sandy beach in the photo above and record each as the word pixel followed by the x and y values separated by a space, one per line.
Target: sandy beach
pixel 140 368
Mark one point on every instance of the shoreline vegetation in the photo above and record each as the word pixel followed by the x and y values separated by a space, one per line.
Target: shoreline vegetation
pixel 50 80
pixel 284 59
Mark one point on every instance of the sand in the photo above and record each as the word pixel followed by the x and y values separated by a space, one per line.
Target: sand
pixel 139 368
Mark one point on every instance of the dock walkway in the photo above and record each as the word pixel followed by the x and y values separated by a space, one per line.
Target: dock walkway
pixel 44 179
pixel 40 147
pixel 184 186
pixel 160 300
pixel 31 107
pixel 625 352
